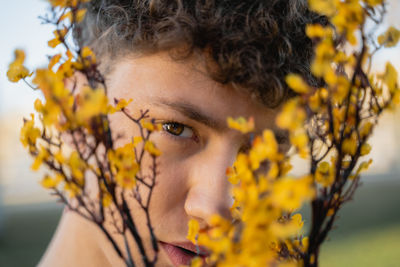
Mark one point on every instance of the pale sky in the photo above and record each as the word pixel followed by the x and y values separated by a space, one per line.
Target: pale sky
pixel 21 28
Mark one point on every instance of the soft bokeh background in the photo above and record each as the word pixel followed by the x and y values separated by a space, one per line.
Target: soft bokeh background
pixel 367 234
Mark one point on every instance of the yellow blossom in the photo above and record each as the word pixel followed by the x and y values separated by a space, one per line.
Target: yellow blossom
pixel 59 36
pixel 324 174
pixel 289 192
pixel 49 182
pixel 91 103
pixel 362 167
pixel 29 133
pixel 151 148
pixel 196 262
pixel 324 55
pixel 288 228
pixel 16 69
pixel 59 157
pixel 390 38
pixel 263 148
pixel 365 149
pixel 241 124
pixel 124 166
pixel 349 146
pixel 350 14
pixel 121 104
pixel 77 167
pixel 390 77
pixel 58 97
pixel 148 125
pixel 373 2
pixel 326 7
pixel 54 60
pixel 106 196
pixel 193 231
pixel 297 83
pixel 43 155
pixel 292 116
pixel 318 31
pixel 107 200
pixel 72 189
pixel 300 142
pixel 366 129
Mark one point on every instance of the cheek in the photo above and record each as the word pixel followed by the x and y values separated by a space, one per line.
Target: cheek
pixel 168 199
pixel 171 184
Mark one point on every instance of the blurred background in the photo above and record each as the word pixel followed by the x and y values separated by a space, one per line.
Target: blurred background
pixel 367 233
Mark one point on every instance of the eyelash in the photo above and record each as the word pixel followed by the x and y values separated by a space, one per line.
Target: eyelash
pixel 178 137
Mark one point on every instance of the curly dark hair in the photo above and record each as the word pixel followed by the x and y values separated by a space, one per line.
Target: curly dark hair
pixel 253 43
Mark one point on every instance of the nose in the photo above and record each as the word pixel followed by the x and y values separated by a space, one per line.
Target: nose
pixel 209 188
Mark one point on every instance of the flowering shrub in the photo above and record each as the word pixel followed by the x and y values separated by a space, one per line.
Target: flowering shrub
pixel 329 125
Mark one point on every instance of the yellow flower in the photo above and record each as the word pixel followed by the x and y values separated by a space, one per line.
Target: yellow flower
pixel 292 116
pixel 58 97
pixel 54 60
pixel 50 182
pixel 390 77
pixel 59 36
pixel 349 146
pixel 288 228
pixel 91 103
pixel 390 38
pixel 86 59
pixel 263 148
pixel 107 198
pixel 241 124
pixel 373 2
pixel 59 157
pixel 151 148
pixel 43 155
pixel 325 7
pixel 16 70
pixel 196 262
pixel 72 189
pixel 300 142
pixel 148 125
pixel 77 167
pixel 349 16
pixel 366 129
pixel 365 149
pixel 121 104
pixel 29 133
pixel 193 231
pixel 289 193
pixel 324 56
pixel 362 167
pixel 124 166
pixel 318 31
pixel 324 174
pixel 297 83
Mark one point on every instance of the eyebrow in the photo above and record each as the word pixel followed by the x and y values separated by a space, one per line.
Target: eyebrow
pixel 194 113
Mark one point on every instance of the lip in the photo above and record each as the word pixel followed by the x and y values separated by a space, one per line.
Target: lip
pixel 182 253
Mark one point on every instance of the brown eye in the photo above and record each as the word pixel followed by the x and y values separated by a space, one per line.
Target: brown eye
pixel 174 128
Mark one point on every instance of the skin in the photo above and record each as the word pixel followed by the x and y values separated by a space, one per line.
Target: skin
pixel 191 181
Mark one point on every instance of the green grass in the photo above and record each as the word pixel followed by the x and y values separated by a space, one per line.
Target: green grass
pixel 371 247
pixel 26 232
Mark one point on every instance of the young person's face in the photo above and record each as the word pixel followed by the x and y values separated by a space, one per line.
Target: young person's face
pixel 196 144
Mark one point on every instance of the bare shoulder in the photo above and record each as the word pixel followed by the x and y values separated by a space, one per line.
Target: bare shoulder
pixel 73 244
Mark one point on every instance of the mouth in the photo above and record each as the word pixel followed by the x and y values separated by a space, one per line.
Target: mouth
pixel 183 253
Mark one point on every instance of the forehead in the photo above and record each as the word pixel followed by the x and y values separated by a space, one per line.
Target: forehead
pixel 158 81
